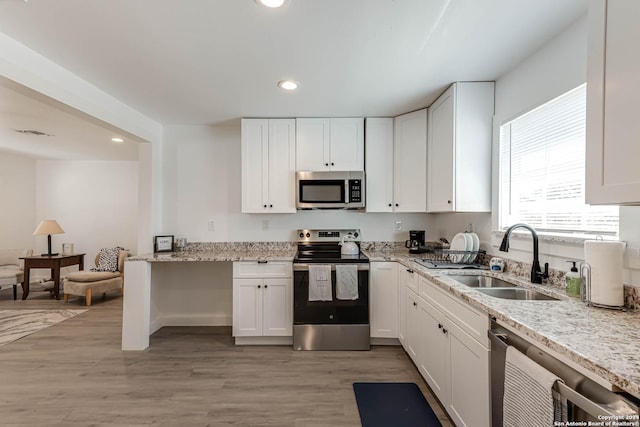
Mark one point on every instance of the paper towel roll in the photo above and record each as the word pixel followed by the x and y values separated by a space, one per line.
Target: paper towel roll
pixel 606 260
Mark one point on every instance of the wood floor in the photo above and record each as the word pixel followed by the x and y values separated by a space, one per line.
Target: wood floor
pixel 74 374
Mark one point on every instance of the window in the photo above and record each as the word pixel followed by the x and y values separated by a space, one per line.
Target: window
pixel 542 170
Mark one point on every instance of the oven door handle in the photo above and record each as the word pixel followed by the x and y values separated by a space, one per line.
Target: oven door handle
pixel 305 267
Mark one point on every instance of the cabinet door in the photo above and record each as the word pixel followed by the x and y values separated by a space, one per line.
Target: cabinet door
pixel 403 281
pixel 278 307
pixel 282 166
pixel 434 342
pixel 441 170
pixel 312 144
pixel 613 102
pixel 254 147
pixel 379 164
pixel 383 299
pixel 410 162
pixel 469 403
pixel 247 307
pixel 347 144
pixel 413 326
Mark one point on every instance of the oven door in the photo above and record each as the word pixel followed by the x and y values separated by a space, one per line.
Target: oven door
pixel 335 312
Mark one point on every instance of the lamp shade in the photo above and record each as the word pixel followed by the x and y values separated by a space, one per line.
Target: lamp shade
pixel 48 226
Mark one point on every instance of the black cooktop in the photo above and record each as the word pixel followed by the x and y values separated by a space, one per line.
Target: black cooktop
pixel 325 253
pixel 360 258
pixel 323 247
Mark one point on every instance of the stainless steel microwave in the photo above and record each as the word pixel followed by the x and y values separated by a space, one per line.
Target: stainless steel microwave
pixel 330 190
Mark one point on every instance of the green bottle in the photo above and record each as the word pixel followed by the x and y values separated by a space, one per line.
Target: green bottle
pixel 573 281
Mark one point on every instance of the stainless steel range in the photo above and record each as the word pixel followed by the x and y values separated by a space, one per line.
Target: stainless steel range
pixel 330 293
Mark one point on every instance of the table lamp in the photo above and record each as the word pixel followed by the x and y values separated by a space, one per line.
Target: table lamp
pixel 48 227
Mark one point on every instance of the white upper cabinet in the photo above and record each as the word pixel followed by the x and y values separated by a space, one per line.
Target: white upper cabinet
pixel 379 164
pixel 396 163
pixel 613 102
pixel 459 149
pixel 330 144
pixel 410 162
pixel 268 166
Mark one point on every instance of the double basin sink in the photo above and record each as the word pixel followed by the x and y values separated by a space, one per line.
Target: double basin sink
pixel 499 288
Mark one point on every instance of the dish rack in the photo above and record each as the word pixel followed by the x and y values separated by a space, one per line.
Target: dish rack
pixel 436 257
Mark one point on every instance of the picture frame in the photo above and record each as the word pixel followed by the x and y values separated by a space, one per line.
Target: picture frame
pixel 163 243
pixel 67 249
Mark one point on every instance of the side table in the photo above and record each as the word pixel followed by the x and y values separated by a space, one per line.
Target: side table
pixel 55 263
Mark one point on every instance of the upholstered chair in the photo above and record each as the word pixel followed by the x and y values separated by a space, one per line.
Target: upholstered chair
pixel 12 268
pixel 87 283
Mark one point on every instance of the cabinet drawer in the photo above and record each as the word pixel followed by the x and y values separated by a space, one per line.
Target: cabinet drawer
pixel 473 321
pixel 249 269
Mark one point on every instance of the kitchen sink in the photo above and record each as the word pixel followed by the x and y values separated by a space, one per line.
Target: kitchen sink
pixel 477 281
pixel 516 293
pixel 499 288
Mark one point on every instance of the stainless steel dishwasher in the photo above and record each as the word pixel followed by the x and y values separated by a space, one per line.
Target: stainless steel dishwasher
pixel 586 400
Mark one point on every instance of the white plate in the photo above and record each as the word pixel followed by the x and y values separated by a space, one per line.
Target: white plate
pixel 468 247
pixel 459 243
pixel 475 240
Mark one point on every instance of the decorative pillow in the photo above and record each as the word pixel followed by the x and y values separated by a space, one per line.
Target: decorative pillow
pixel 108 259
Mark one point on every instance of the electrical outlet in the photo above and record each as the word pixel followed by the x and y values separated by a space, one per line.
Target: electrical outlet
pixel 398 225
pixel 212 225
pixel 265 224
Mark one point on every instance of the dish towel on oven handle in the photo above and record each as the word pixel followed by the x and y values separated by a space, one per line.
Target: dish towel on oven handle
pixel 320 283
pixel 529 399
pixel 347 282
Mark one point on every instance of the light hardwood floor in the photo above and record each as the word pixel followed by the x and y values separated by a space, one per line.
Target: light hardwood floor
pixel 74 374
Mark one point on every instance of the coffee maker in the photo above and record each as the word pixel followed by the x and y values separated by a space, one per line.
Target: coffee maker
pixel 415 242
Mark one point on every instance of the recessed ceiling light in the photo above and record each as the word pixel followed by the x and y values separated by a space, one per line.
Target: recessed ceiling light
pixel 288 84
pixel 117 140
pixel 270 3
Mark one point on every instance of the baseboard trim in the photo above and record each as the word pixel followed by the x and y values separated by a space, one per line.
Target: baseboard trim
pixel 385 341
pixel 264 341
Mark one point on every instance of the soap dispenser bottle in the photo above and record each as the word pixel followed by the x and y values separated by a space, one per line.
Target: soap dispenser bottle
pixel 573 281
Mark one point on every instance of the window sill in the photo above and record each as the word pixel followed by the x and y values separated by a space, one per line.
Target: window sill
pixel 560 238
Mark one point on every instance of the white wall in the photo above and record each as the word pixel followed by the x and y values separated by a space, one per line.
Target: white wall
pixel 554 69
pixel 201 182
pixel 17 201
pixel 95 202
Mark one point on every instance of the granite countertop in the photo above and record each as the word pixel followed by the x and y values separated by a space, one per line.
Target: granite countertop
pixel 218 255
pixel 605 342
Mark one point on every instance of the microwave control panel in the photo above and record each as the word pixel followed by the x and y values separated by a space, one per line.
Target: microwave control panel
pixel 355 191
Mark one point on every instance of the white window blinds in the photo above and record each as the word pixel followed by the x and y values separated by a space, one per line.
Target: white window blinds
pixel 542 172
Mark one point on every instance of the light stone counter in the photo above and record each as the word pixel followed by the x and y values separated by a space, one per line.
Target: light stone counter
pixel 143 292
pixel 604 342
pixel 225 251
pixel 218 255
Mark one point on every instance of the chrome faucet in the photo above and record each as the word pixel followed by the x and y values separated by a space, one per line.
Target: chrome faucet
pixel 536 273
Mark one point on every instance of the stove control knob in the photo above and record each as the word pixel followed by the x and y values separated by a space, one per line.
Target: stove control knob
pixel 308 235
pixel 355 234
pixel 301 235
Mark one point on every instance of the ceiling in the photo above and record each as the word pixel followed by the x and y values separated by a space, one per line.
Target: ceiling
pixel 214 61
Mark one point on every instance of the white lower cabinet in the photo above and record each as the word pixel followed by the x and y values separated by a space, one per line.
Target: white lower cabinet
pixel 442 338
pixel 406 277
pixel 469 392
pixel 412 341
pixel 383 299
pixel 262 303
pixel 434 359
